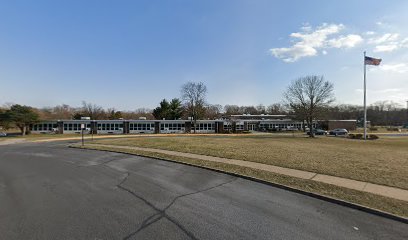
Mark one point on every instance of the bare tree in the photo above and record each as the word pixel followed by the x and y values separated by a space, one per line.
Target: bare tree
pixel 193 95
pixel 93 111
pixel 231 110
pixel 261 109
pixel 276 108
pixel 308 96
pixel 63 111
pixel 213 111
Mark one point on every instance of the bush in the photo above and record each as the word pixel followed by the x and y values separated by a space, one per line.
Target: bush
pixel 395 129
pixel 352 136
pixel 373 129
pixel 373 137
pixel 358 136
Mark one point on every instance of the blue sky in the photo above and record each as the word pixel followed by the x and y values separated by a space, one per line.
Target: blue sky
pixel 132 54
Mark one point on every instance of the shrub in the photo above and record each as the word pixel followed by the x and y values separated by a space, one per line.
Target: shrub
pixel 352 136
pixel 373 129
pixel 359 136
pixel 373 137
pixel 393 129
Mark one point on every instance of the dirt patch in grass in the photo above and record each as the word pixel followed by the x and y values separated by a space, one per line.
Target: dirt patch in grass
pixel 390 205
pixel 383 161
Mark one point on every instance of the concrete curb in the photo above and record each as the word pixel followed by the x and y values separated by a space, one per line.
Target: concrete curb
pixel 281 186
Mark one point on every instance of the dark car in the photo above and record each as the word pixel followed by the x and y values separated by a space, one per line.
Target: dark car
pixel 318 132
pixel 338 131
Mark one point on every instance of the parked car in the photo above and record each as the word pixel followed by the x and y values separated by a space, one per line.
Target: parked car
pixel 338 131
pixel 318 132
pixel 3 134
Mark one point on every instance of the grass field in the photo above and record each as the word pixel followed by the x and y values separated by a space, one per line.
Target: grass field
pixel 383 161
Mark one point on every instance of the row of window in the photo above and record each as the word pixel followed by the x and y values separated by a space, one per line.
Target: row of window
pixel 172 126
pixel 284 125
pixel 74 126
pixel 44 126
pixel 141 126
pixel 206 126
pixel 228 126
pixel 110 126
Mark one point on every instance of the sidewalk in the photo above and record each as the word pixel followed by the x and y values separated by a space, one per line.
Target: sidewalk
pixel 386 191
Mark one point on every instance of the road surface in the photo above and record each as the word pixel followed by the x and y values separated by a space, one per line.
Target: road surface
pixel 50 191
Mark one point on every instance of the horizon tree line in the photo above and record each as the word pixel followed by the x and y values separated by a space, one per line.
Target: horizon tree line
pixel 306 99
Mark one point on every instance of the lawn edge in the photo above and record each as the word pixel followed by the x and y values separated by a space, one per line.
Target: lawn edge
pixel 274 184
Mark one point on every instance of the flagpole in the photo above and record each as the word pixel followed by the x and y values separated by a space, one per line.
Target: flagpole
pixel 365 99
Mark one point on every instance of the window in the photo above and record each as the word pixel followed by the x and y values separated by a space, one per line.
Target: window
pixel 206 126
pixel 168 126
pixel 239 126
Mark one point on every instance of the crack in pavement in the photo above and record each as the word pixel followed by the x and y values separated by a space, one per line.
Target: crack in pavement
pixel 144 225
pixel 161 213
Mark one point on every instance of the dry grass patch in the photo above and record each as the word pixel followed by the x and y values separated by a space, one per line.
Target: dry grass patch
pixel 383 161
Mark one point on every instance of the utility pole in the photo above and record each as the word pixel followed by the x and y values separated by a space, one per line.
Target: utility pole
pixel 365 99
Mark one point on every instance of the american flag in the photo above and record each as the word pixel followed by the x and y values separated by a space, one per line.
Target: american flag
pixel 372 61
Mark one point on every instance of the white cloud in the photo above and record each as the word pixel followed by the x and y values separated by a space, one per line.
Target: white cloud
pixel 292 54
pixel 388 42
pixel 348 41
pixel 387 37
pixel 386 48
pixel 398 67
pixel 370 33
pixel 308 42
pixel 404 43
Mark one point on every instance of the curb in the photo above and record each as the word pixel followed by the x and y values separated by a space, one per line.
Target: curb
pixel 280 186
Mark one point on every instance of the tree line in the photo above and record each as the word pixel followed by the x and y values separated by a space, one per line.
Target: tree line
pixel 305 99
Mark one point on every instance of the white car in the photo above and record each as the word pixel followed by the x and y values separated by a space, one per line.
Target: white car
pixel 3 134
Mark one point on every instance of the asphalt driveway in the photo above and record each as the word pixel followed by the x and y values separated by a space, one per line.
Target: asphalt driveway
pixel 50 191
